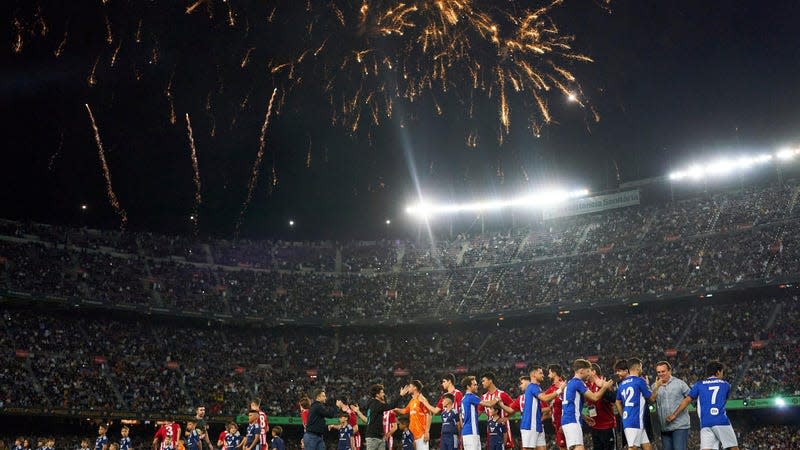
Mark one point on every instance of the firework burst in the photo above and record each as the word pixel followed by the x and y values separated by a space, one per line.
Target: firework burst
pixel 429 51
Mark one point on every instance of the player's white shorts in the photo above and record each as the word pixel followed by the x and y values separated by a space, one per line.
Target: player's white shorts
pixel 533 439
pixel 636 437
pixel 712 437
pixel 471 442
pixel 421 444
pixel 573 434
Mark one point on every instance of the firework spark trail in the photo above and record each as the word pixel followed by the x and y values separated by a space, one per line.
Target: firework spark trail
pixel 308 155
pixel 112 197
pixel 246 58
pixel 154 54
pixel 196 168
pixel 17 47
pixel 40 23
pixel 91 80
pixel 274 182
pixel 168 93
pixel 52 161
pixel 114 56
pixel 257 164
pixel 109 35
pixel 231 17
pixel 61 46
pixel 194 6
pixel 138 36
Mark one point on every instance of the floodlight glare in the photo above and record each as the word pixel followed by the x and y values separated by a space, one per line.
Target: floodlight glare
pixel 537 200
pixel 780 402
pixel 725 166
pixel 786 154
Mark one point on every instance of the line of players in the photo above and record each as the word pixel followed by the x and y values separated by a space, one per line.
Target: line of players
pixel 562 403
pixel 101 442
pixel 195 436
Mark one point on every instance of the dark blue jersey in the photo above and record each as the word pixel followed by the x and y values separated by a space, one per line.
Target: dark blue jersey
pixel 253 431
pixel 125 443
pixel 345 433
pixel 449 422
pixel 277 443
pixel 193 440
pixel 232 440
pixel 408 440
pixel 100 442
pixel 497 433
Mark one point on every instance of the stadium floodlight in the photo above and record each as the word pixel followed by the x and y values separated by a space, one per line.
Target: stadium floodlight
pixel 786 154
pixel 542 199
pixel 725 166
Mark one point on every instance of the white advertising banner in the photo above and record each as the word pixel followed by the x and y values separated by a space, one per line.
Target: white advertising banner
pixel 588 205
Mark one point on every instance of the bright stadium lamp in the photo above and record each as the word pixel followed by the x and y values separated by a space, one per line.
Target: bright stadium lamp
pixel 696 172
pixel 762 158
pixel 676 176
pixel 726 166
pixel 785 154
pixel 535 200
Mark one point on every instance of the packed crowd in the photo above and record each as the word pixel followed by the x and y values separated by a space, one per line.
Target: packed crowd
pixel 671 249
pixel 772 437
pixel 162 365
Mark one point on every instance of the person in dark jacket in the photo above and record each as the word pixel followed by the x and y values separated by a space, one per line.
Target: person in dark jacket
pixel 316 426
pixel 376 406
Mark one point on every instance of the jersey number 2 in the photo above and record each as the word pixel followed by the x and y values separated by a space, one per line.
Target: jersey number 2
pixel 628 394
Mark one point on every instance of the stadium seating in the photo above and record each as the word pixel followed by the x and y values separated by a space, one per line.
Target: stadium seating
pixel 719 241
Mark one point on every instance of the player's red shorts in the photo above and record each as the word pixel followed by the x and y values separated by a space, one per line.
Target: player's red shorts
pixel 561 441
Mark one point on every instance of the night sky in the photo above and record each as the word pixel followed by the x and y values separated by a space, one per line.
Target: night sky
pixel 672 81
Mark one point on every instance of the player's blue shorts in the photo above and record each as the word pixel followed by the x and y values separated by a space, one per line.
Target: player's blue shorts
pixel 449 442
